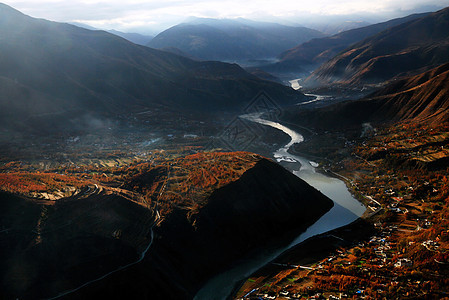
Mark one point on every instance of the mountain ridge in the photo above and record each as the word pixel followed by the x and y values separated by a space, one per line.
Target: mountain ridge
pixel 198 214
pixel 320 50
pixel 420 99
pixel 72 71
pixel 407 48
pixel 212 39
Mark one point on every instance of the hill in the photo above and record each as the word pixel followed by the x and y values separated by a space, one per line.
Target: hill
pixel 319 50
pixel 232 40
pixel 423 98
pixel 160 227
pixel 52 75
pixel 410 48
pixel 398 167
pixel 419 99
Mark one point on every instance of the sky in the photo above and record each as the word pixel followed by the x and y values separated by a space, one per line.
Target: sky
pixel 152 16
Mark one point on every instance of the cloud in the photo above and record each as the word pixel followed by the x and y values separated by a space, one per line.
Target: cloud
pixel 158 14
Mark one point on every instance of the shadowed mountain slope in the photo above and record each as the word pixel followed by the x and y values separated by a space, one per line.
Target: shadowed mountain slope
pixel 423 98
pixel 406 48
pixel 198 214
pixel 62 71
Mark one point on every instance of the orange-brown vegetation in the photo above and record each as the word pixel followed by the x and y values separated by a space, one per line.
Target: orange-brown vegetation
pixel 164 180
pixel 408 256
pixel 25 182
pixel 186 182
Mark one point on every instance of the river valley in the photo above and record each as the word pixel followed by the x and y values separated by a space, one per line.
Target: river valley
pixel 346 210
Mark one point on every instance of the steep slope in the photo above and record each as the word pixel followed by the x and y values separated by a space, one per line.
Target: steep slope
pixel 423 98
pixel 232 40
pixel 239 204
pixel 406 48
pixel 320 50
pixel 60 70
pixel 264 203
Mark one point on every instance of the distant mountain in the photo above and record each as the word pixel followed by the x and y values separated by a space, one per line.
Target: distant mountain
pixel 82 25
pixel 406 48
pixel 52 73
pixel 337 27
pixel 239 39
pixel 320 50
pixel 136 38
pixel 423 98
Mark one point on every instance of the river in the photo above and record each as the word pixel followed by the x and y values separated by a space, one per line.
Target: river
pixel 346 210
pixel 295 84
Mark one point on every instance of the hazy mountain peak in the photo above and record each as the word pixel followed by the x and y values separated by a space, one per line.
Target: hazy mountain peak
pixel 232 39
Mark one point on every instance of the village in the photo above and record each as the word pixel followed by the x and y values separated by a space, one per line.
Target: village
pixel 401 177
pixel 405 188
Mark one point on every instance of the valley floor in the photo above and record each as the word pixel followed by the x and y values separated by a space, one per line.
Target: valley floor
pixel 399 249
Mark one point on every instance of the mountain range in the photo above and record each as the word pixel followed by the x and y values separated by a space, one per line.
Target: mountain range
pixel 52 73
pixel 231 40
pixel 408 48
pixel 161 223
pixel 422 98
pixel 320 50
pixel 136 38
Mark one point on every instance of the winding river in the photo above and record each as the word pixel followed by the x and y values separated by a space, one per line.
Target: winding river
pixel 346 210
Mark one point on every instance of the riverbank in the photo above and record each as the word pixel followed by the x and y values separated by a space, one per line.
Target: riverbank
pixel 400 250
pixel 345 211
pixel 304 257
pixel 321 239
